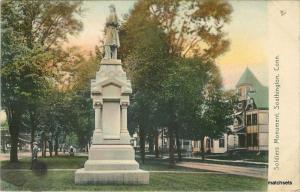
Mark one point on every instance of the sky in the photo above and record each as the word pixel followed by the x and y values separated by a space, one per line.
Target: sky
pixel 247 33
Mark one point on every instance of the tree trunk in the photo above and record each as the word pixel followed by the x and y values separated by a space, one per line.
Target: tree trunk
pixel 14 123
pixel 178 146
pixel 162 143
pixel 44 153
pixel 156 144
pixel 50 147
pixel 56 145
pixel 32 137
pixel 42 146
pixel 14 137
pixel 151 145
pixel 142 143
pixel 33 128
pixel 171 147
pixel 202 149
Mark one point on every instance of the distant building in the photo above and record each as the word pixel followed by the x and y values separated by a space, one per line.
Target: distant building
pixel 24 138
pixel 211 145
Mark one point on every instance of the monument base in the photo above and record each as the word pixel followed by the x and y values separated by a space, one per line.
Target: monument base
pixel 111 164
pixel 138 176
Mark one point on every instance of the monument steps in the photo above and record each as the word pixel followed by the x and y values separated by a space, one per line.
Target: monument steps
pixel 92 165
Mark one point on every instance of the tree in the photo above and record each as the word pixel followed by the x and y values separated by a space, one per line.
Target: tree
pixel 182 92
pixel 213 116
pixel 145 64
pixel 30 32
pixel 172 67
pixel 141 117
pixel 192 28
pixel 81 102
pixel 17 77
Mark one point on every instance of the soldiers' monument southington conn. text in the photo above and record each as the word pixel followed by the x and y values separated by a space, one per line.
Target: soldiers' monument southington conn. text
pixel 111 158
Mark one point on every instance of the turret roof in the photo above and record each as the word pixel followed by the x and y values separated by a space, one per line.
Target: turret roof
pixel 248 78
pixel 260 93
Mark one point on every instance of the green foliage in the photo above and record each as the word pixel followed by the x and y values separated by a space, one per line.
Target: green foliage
pixel 42 22
pixel 31 32
pixel 192 28
pixel 168 48
pixel 81 110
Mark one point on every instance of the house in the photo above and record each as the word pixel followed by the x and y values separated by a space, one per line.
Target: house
pixel 211 145
pixel 251 118
pixel 250 129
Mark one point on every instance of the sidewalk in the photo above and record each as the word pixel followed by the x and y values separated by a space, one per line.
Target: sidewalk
pixel 215 160
pixel 229 169
pixel 5 156
pixel 229 161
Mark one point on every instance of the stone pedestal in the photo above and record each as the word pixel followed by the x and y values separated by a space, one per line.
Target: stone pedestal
pixel 111 157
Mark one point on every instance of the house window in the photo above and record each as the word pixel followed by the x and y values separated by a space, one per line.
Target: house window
pixel 248 119
pixel 254 119
pixel 252 140
pixel 240 92
pixel 221 143
pixel 255 140
pixel 211 143
pixel 242 140
pixel 249 140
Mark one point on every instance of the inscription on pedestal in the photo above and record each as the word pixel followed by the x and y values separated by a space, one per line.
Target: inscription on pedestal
pixel 111 124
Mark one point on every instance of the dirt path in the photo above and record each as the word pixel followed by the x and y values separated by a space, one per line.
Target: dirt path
pixel 5 156
pixel 235 170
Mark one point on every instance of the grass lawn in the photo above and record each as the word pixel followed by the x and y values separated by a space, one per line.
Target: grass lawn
pixel 64 180
pixel 59 180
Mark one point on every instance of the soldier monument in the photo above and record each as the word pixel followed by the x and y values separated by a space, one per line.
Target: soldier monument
pixel 111 158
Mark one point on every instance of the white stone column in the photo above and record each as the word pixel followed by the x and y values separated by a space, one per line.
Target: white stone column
pixel 98 116
pixel 124 117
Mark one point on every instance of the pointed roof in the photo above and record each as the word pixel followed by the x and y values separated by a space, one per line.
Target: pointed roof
pixel 260 94
pixel 248 78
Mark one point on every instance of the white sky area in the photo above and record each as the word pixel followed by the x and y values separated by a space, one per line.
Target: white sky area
pixel 247 33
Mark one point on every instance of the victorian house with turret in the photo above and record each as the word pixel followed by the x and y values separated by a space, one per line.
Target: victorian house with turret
pixel 251 118
pixel 250 128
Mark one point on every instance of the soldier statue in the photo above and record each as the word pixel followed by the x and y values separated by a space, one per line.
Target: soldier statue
pixel 111 42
